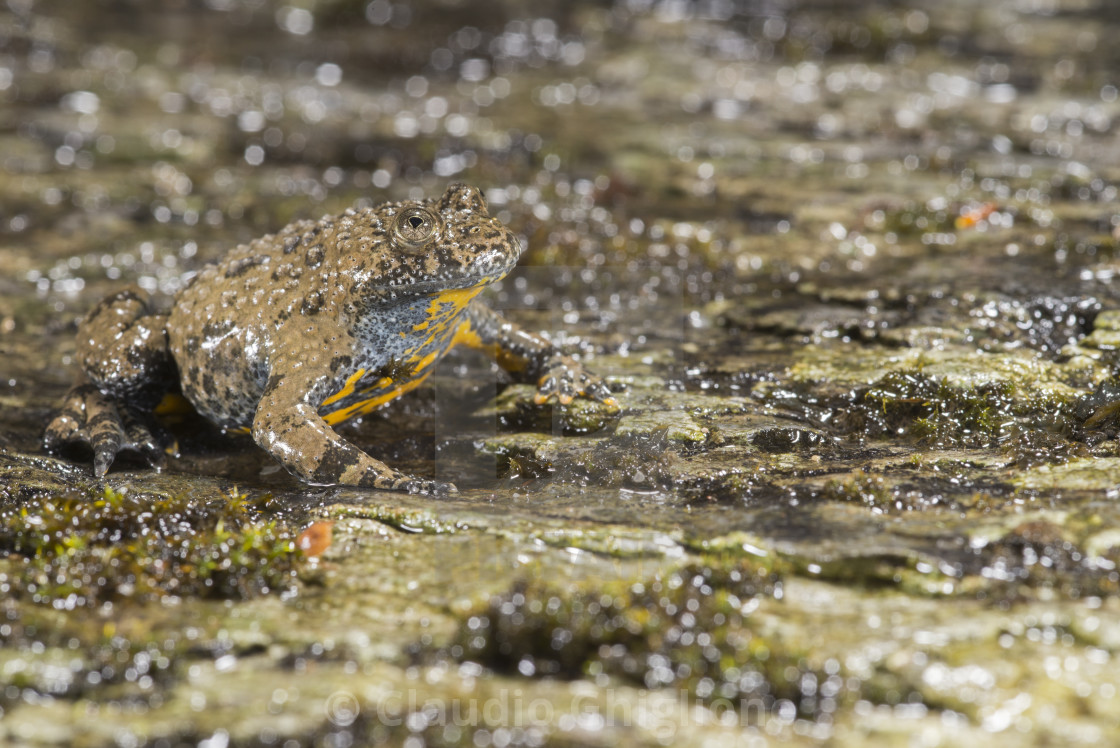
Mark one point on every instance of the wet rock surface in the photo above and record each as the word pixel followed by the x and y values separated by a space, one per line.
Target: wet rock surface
pixel 849 271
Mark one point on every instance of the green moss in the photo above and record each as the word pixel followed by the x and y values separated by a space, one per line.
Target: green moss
pixel 931 411
pixel 68 655
pixel 689 629
pixel 675 426
pixel 908 573
pixel 860 488
pixel 1031 447
pixel 405 520
pixel 640 460
pixel 1037 556
pixel 914 219
pixel 733 485
pixel 78 548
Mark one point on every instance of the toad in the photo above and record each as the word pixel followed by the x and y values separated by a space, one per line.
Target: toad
pixel 299 331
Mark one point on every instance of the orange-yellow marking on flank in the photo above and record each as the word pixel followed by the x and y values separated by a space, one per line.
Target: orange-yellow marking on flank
pixel 425 362
pixel 365 406
pixel 347 389
pixel 442 308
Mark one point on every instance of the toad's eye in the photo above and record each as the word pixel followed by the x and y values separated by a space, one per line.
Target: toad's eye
pixel 415 227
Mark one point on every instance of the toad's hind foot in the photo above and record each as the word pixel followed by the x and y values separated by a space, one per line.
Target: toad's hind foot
pixel 107 427
pixel 395 481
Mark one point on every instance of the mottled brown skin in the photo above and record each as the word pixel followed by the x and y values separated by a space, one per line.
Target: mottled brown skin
pixel 301 330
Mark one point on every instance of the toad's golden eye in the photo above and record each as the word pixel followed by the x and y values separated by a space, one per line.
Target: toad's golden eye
pixel 415 227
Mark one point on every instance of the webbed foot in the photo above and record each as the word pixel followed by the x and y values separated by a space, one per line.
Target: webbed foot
pixel 565 378
pixel 89 417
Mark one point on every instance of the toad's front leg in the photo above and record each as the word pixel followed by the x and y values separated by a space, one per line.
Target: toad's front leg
pixel 531 358
pixel 288 426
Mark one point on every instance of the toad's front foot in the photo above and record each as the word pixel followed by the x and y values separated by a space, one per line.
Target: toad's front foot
pixel 565 378
pixel 89 417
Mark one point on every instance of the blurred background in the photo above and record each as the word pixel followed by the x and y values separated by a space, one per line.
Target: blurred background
pixel 852 261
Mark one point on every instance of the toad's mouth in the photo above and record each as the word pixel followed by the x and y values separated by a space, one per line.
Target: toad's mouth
pixel 429 272
pixel 436 286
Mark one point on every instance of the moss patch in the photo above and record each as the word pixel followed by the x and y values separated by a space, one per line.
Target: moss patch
pixel 689 629
pixel 77 548
pixel 930 410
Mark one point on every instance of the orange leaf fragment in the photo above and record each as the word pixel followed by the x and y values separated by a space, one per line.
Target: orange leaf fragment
pixel 973 216
pixel 315 538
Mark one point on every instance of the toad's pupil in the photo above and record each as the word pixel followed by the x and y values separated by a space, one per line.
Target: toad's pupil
pixel 415 222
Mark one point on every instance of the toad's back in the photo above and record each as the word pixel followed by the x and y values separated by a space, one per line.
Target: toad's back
pixel 345 298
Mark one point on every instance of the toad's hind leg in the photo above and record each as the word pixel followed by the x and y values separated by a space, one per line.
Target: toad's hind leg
pixel 290 428
pixel 123 351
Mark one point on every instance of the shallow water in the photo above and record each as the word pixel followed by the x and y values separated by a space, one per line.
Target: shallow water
pixel 850 267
